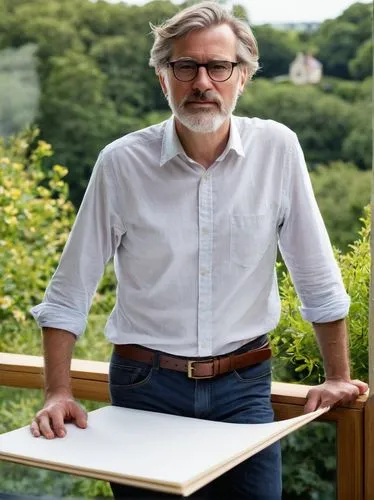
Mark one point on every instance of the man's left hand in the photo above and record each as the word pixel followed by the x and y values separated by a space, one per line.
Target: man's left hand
pixel 333 392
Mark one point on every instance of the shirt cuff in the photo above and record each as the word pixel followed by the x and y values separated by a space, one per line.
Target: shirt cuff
pixel 61 317
pixel 333 311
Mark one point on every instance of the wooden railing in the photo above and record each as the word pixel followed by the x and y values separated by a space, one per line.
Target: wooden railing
pixel 354 423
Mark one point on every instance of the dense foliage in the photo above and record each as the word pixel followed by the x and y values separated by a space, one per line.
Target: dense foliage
pixel 293 339
pixel 329 127
pixel 341 191
pixel 35 219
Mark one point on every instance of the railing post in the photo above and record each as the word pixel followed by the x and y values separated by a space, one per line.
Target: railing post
pixel 369 407
pixel 350 455
pixel 369 449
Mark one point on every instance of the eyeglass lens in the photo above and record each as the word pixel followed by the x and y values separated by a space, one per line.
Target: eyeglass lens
pixel 217 70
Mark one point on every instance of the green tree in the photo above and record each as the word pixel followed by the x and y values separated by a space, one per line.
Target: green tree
pixel 360 14
pixel 358 144
pixel 361 65
pixel 337 45
pixel 123 59
pixel 321 121
pixel 277 50
pixel 76 115
pixel 342 191
pixel 338 39
pixel 348 90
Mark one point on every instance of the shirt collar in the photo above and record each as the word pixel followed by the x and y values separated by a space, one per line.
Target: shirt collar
pixel 171 146
pixel 235 141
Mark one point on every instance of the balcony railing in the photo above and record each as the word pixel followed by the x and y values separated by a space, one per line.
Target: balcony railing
pixel 354 423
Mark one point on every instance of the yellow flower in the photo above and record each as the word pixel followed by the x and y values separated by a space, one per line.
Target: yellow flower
pixel 19 315
pixel 45 148
pixel 15 193
pixel 11 221
pixel 18 166
pixel 60 170
pixel 43 191
pixel 4 160
pixel 11 210
pixel 5 302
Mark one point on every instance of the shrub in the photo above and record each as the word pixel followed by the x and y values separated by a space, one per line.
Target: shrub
pixel 294 341
pixel 36 216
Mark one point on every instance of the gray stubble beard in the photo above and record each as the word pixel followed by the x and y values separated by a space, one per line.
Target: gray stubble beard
pixel 198 122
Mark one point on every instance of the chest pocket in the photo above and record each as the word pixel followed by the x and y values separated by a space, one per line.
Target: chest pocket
pixel 250 237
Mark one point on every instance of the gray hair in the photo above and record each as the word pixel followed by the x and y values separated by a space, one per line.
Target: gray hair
pixel 197 17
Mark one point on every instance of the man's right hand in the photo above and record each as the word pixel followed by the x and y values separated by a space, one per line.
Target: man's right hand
pixel 58 409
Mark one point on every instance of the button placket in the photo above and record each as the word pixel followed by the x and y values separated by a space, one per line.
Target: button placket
pixel 205 253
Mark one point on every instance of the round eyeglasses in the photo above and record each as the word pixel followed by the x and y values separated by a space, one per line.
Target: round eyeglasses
pixel 218 71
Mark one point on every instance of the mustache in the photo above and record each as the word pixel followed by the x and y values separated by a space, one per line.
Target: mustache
pixel 198 95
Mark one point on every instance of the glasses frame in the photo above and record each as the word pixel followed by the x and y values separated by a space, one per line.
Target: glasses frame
pixel 171 65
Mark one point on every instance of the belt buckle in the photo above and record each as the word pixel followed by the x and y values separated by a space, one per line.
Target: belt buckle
pixel 190 369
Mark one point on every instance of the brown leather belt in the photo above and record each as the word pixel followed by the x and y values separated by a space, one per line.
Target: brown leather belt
pixel 196 369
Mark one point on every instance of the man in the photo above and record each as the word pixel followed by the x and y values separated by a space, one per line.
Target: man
pixel 192 210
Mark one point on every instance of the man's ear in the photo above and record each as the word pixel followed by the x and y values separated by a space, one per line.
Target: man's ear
pixel 162 79
pixel 243 77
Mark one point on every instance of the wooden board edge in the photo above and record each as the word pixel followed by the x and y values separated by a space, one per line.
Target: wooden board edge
pixel 173 488
pixel 203 479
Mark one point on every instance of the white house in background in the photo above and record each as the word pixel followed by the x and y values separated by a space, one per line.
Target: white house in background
pixel 305 69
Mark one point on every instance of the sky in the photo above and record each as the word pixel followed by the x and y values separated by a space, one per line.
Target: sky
pixel 281 11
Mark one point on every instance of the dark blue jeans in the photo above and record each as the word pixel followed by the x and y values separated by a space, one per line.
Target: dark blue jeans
pixel 241 396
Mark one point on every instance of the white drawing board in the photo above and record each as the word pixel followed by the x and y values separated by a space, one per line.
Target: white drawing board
pixel 145 449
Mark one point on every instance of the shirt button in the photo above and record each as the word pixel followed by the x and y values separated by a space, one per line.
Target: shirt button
pixel 205 230
pixel 203 272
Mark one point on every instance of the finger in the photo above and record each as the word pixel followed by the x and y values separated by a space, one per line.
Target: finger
pixel 312 403
pixel 45 426
pixel 362 386
pixel 351 396
pixel 34 428
pixel 57 423
pixel 332 402
pixel 79 415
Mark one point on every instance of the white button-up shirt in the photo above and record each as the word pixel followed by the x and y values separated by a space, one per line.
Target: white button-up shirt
pixel 195 249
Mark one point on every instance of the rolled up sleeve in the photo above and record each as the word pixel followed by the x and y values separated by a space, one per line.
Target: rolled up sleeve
pixel 96 233
pixel 306 248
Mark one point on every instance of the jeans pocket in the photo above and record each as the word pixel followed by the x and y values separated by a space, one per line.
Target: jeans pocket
pixel 127 373
pixel 253 373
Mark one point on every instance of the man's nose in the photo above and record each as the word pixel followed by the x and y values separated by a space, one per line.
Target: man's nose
pixel 202 80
